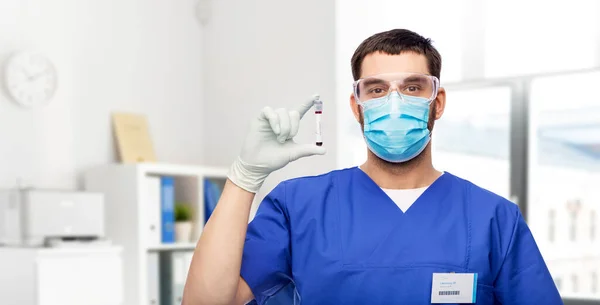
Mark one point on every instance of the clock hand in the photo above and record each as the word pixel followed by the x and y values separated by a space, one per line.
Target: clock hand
pixel 26 74
pixel 38 75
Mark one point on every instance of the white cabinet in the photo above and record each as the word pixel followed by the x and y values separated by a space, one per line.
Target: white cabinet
pixel 61 276
pixel 132 217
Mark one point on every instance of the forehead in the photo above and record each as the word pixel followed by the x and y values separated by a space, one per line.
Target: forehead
pixel 378 63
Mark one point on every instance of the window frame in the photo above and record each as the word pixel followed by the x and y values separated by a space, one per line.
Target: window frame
pixel 520 119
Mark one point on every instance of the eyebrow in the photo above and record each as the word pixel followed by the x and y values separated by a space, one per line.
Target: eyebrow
pixel 372 81
pixel 415 79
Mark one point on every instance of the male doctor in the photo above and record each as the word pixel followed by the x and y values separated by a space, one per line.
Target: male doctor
pixel 393 230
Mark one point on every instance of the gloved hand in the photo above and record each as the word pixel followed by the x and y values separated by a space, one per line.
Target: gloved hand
pixel 269 146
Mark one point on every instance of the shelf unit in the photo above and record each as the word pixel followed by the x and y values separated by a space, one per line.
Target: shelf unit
pixel 172 247
pixel 126 214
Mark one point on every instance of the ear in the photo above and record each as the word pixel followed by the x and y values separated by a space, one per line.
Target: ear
pixel 354 106
pixel 440 103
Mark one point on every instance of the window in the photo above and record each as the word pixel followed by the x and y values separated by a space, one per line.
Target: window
pixel 592 225
pixel 573 207
pixel 552 221
pixel 564 170
pixel 594 283
pixel 558 283
pixel 473 141
pixel 517 44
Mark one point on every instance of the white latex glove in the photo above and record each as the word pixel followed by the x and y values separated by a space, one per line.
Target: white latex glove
pixel 269 146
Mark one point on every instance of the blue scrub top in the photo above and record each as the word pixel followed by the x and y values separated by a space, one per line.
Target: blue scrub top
pixel 339 239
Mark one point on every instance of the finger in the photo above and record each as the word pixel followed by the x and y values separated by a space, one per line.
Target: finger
pixel 304 107
pixel 270 115
pixel 305 150
pixel 295 124
pixel 284 125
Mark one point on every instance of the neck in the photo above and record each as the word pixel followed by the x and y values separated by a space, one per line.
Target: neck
pixel 416 173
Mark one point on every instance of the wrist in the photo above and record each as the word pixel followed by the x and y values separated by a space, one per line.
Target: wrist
pixel 246 176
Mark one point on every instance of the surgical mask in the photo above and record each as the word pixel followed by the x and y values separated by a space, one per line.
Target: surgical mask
pixel 395 126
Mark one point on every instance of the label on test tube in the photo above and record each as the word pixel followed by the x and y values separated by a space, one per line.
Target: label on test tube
pixel 318 112
pixel 318 133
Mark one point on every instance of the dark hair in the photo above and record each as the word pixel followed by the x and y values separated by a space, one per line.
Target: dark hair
pixel 395 42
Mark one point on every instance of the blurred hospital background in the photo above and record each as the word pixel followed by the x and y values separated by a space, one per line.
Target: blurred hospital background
pixel 78 225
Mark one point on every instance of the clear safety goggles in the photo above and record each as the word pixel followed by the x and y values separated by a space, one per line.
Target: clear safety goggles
pixel 408 85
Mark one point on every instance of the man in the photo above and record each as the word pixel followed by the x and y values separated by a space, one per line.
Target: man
pixel 393 231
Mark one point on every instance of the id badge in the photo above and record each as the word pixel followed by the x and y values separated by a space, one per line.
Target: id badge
pixel 454 288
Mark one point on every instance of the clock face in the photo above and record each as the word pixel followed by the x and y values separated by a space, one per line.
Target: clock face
pixel 31 79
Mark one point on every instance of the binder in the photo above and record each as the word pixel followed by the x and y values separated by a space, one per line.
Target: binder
pixel 174 266
pixel 153 207
pixel 168 210
pixel 153 278
pixel 212 193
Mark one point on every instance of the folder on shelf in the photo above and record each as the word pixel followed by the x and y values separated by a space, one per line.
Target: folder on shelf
pixel 212 192
pixel 153 278
pixel 174 266
pixel 152 205
pixel 167 210
pixel 187 260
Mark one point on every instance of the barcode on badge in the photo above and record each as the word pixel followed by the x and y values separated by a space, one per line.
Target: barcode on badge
pixel 455 292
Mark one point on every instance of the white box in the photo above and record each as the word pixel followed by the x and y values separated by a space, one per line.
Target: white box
pixel 47 276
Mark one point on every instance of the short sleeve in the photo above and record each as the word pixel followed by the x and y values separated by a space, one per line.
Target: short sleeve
pixel 266 258
pixel 524 278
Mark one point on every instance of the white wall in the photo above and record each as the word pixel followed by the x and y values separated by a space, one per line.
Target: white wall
pixel 199 86
pixel 268 53
pixel 143 56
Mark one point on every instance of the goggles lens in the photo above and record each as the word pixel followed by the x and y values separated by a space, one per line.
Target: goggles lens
pixel 409 84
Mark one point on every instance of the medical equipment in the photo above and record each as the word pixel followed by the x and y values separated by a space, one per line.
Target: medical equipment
pixel 318 112
pixel 33 217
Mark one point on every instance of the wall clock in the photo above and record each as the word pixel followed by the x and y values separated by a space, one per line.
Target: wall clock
pixel 30 79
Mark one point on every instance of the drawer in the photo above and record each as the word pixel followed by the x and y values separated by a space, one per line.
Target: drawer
pixel 91 278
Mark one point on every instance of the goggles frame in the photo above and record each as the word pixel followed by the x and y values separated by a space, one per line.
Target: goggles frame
pixel 393 87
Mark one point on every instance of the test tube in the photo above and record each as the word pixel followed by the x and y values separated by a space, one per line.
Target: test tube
pixel 318 112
